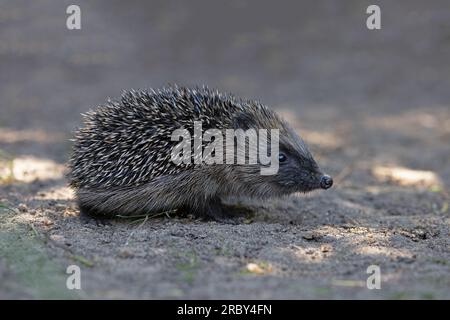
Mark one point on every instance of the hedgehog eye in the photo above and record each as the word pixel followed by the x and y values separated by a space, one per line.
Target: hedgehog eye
pixel 282 157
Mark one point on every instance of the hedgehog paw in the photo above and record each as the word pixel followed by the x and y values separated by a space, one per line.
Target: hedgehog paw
pixel 224 214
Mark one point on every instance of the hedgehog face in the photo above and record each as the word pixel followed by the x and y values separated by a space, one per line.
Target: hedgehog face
pixel 296 173
pixel 297 169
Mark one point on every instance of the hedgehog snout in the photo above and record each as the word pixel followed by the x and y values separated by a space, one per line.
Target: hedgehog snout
pixel 326 182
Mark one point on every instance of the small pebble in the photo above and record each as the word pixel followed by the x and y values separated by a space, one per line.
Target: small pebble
pixel 406 259
pixel 47 222
pixel 58 238
pixel 125 253
pixel 60 206
pixel 311 236
pixel 22 207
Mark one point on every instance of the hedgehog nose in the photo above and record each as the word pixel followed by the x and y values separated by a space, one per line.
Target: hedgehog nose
pixel 326 182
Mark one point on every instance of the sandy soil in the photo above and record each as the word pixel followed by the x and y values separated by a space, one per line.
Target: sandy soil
pixel 373 106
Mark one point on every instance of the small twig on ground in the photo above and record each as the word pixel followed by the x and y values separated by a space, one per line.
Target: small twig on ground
pixel 36 233
pixel 83 260
pixel 44 237
pixel 353 221
pixel 147 215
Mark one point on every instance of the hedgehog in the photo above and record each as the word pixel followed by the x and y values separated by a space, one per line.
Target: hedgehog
pixel 121 162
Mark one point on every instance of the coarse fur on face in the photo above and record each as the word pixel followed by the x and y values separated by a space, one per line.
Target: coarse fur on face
pixel 298 171
pixel 121 164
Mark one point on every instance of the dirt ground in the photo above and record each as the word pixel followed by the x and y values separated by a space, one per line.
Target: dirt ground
pixel 374 106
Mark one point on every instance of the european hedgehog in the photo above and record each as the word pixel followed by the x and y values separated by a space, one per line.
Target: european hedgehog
pixel 121 160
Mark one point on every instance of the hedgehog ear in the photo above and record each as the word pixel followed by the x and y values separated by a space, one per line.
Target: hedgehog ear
pixel 243 121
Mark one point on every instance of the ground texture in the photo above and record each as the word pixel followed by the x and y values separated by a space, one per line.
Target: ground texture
pixel 373 105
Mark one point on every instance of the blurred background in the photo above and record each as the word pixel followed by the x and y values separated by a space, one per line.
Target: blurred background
pixel 373 105
pixel 306 58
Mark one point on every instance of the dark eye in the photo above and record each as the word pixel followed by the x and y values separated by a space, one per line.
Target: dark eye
pixel 282 157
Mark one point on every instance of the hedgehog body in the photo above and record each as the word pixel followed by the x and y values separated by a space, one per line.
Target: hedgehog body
pixel 121 160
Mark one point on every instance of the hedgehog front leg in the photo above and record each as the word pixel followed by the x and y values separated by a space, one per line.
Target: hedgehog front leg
pixel 210 210
pixel 215 210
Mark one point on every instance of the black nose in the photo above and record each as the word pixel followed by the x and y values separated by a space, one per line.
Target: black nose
pixel 326 182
